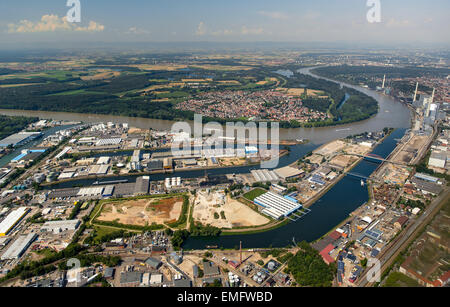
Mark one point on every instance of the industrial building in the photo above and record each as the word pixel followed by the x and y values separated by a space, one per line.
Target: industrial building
pixel 11 220
pixel 16 250
pixel 106 142
pixel 130 279
pixel 93 191
pixel 60 226
pixel 103 160
pixel 142 186
pixel 168 163
pixel 288 172
pixel 264 175
pixel 63 152
pixel 426 177
pixel 438 160
pixel 317 179
pixel 108 191
pixel 154 165
pixel 153 263
pixel 99 170
pixel 28 155
pixel 276 206
pixel 19 139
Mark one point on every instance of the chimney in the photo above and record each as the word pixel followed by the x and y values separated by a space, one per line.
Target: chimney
pixel 415 93
pixel 384 81
pixel 240 249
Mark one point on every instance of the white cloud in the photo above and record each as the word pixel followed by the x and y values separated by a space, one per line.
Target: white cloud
pixel 201 29
pixel 393 23
pixel 137 31
pixel 52 23
pixel 251 31
pixel 274 15
pixel 222 33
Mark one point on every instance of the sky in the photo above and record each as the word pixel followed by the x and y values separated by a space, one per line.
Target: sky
pixel 302 21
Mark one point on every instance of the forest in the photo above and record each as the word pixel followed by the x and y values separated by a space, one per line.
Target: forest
pixel 309 269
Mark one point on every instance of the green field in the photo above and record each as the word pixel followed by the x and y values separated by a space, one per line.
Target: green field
pixel 254 193
pixel 397 279
pixel 76 92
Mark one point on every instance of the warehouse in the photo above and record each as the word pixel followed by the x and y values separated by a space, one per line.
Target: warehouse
pixel 19 139
pixel 28 155
pixel 103 160
pixel 63 152
pixel 264 175
pixel 98 170
pixel 106 142
pixel 437 159
pixel 426 177
pixel 153 263
pixel 288 172
pixel 276 206
pixel 11 220
pixel 154 165
pixel 19 246
pixel 108 191
pixel 65 175
pixel 142 185
pixel 426 187
pixel 94 191
pixel 60 226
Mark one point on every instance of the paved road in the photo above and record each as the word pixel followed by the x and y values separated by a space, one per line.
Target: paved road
pixel 408 235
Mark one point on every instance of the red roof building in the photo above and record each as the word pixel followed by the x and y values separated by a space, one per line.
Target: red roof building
pixel 325 253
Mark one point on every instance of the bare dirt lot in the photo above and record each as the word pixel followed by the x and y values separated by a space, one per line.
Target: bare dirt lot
pixel 143 211
pixel 236 213
pixel 232 161
pixel 343 160
pixel 411 148
pixel 331 148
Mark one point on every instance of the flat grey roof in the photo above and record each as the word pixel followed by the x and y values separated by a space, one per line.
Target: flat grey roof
pixel 210 268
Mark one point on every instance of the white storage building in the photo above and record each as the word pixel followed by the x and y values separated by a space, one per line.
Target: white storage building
pixel 60 226
pixel 19 246
pixel 11 220
pixel 276 206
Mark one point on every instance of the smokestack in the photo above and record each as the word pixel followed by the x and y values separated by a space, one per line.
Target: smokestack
pixel 415 93
pixel 384 81
pixel 427 114
pixel 240 249
pixel 432 95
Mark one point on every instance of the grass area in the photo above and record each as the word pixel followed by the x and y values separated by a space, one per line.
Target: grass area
pixel 101 231
pixel 254 193
pixel 46 252
pixel 397 279
pixel 76 92
pixel 176 94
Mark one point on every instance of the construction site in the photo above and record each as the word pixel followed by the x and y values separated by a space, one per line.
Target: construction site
pixel 142 212
pixel 220 210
